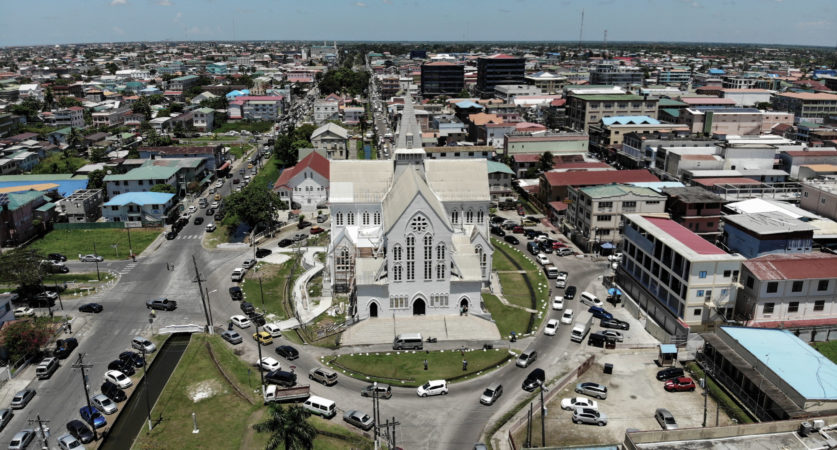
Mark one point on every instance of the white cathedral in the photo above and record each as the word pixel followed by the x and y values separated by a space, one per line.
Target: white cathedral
pixel 409 236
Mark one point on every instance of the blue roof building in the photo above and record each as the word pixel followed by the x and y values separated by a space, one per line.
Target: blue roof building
pixel 138 207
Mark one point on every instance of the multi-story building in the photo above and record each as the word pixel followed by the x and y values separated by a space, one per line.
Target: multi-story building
pixel 820 197
pixel 583 110
pixel 442 78
pixel 595 212
pixel 65 117
pixel 674 76
pixel 83 205
pixel 18 210
pixel 110 117
pixel 807 106
pixel 639 150
pixel 500 178
pixel 615 75
pixel 305 185
pixel 267 108
pixel 333 140
pixel 390 85
pixel 711 120
pixel 792 160
pixel 508 92
pixel 203 119
pixel 609 132
pixel 212 154
pixel 353 114
pixel 747 97
pixel 183 83
pixel 696 209
pixel 792 291
pixel 547 82
pixel 325 110
pixel 177 173
pixel 498 69
pixel 679 279
pixel 138 207
pixel 517 143
pixel 767 233
pixel 554 185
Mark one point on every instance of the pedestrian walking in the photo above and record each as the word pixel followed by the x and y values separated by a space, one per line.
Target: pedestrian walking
pixel 425 364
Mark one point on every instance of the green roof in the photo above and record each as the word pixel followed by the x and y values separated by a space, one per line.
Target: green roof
pixel 673 112
pixel 43 177
pixel 494 166
pixel 150 172
pixel 205 110
pixel 19 199
pixel 66 130
pixel 609 97
pixel 46 207
pixel 670 102
pixel 185 78
pixel 617 190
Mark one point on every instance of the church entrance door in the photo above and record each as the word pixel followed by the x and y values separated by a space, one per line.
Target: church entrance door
pixel 418 307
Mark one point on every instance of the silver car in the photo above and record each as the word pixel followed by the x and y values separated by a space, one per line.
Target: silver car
pixel 68 442
pixel 359 419
pixel 6 415
pixel 665 419
pixel 589 415
pixel 22 439
pixel 232 337
pixel 592 389
pixel 22 398
pixel 140 343
pixel 103 404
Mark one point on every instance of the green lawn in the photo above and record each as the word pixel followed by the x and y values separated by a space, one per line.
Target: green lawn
pixel 392 368
pixel 217 137
pixel 256 127
pixel 74 242
pixel 507 318
pixel 503 262
pixel 268 174
pixel 239 150
pixel 515 290
pixel 57 163
pixel 829 349
pixel 273 278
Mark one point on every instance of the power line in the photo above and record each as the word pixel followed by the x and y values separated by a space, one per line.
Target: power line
pixel 80 365
pixel 199 280
pixel 41 427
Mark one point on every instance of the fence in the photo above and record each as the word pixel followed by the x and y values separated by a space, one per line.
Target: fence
pixel 87 225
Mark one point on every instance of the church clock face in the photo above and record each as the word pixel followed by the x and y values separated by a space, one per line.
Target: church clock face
pixel 418 224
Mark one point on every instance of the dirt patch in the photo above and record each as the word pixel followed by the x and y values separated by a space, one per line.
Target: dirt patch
pixel 204 390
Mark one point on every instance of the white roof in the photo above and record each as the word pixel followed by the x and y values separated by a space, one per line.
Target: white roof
pixel 332 127
pixel 359 181
pixel 409 185
pixel 458 179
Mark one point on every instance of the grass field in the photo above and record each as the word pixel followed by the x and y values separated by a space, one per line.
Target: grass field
pixel 268 174
pixel 829 349
pixel 74 242
pixel 515 290
pixel 503 262
pixel 507 318
pixel 239 150
pixel 409 366
pixel 273 286
pixel 57 163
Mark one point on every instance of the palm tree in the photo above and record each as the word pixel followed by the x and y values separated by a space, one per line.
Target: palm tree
pixel 288 427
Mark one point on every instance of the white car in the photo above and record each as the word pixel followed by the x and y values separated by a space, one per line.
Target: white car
pixel 558 303
pixel 238 274
pixel 613 334
pixel 103 404
pixel 118 378
pixel 210 227
pixel 616 257
pixel 140 343
pixel 551 327
pixel 193 209
pixel 248 263
pixel 269 364
pixel 572 403
pixel 68 442
pixel 273 329
pixel 560 283
pixel 24 311
pixel 433 387
pixel 214 205
pixel 90 258
pixel 542 259
pixel 240 321
pixel 567 318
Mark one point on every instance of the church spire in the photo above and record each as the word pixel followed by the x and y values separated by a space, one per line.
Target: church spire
pixel 409 131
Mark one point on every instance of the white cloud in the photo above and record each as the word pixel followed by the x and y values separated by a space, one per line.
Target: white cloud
pixel 360 4
pixel 118 2
pixel 178 16
pixel 165 3
pixel 118 30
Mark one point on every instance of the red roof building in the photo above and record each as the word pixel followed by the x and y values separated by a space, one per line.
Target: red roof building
pixel 306 184
pixel 553 185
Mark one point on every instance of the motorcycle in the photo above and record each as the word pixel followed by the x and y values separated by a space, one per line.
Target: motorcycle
pixel 431 340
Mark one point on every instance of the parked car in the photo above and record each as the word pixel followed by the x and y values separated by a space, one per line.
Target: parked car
pixel 238 274
pixel 24 311
pixel 358 419
pixel 287 352
pixel 161 303
pixel 433 387
pixel 80 431
pixel 615 323
pixel 567 317
pixel 56 257
pixel 281 378
pixel 511 239
pixel 247 308
pixel 569 292
pixel 321 218
pixel 526 358
pixel 616 257
pixel 599 313
pixel 302 224
pixel 535 378
pixel 316 230
pixel 285 242
pixel 557 303
pixel 198 220
pixel 22 398
pixel 542 259
pixel 141 343
pixel 236 293
pixel 132 358
pixel 592 389
pixel 113 392
pixel 268 363
pixel 551 327
pixel 91 308
pixel 240 321
pixel 491 394
pixel 665 419
pixel 680 384
pixel 103 404
pixel 273 329
pixel 572 403
pixel 232 337
pixel 248 263
pixel 262 252
pixel 590 416
pixel 92 416
pixel 669 373
pixel 210 227
pixel 90 258
pixel 119 379
pixel 122 366
pixel 22 439
pixel 384 390
pixel 564 251
pixel 63 347
pixel 263 338
pixel 171 235
pixel 6 415
pixel 613 334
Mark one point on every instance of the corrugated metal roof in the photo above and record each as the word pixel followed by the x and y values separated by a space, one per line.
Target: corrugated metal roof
pixel 140 198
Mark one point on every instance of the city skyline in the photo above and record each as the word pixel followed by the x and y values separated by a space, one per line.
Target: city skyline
pixel 769 22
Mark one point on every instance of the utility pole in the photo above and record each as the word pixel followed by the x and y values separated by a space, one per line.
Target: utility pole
pixel 543 421
pixel 41 428
pixel 96 257
pixel 705 397
pixel 200 290
pixel 259 345
pixel 375 411
pixel 80 365
pixel 261 292
pixel 529 427
pixel 130 246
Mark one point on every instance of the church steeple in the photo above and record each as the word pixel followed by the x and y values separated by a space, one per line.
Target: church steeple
pixel 408 149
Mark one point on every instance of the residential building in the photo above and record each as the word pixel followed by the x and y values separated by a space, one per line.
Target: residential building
pixel 138 207
pixel 595 212
pixel 305 185
pixel 83 205
pixel 696 209
pixel 584 110
pixel 680 280
pixel 212 154
pixel 747 97
pixel 409 236
pixel 442 78
pixel 353 114
pixel 18 162
pixel 820 197
pixel 325 110
pixel 183 83
pixel 110 117
pixel 641 150
pixel 18 210
pixel 256 107
pixel 333 140
pixel 616 75
pixel 674 76
pixel 500 178
pixel 508 92
pixel 174 172
pixel 203 119
pixel 609 132
pixel 460 151
pixel 547 82
pixel 65 117
pixel 792 160
pixel 498 69
pixel 516 143
pixel 807 106
pixel 711 120
pixel 767 233
pixel 554 186
pixel 390 86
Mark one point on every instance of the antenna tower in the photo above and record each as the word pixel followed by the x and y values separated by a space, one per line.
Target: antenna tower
pixel 581 30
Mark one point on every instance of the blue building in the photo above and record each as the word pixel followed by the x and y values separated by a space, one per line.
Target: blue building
pixel 138 207
pixel 767 233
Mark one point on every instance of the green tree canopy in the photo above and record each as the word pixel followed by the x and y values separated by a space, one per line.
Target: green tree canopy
pixel 22 267
pixel 24 337
pixel 142 106
pixel 288 428
pixel 98 154
pixel 67 101
pixel 545 162
pixel 344 80
pixel 164 188
pixel 254 204
pixel 96 179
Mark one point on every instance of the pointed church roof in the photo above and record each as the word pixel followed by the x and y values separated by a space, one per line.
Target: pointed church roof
pixel 408 125
pixel 405 188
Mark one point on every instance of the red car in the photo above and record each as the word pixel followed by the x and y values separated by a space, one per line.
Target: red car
pixel 556 245
pixel 316 230
pixel 680 384
pixel 517 229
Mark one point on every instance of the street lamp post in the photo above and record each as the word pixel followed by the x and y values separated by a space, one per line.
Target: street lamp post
pixel 259 345
pixel 209 308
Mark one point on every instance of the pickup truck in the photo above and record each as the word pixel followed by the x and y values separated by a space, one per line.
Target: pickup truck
pixel 273 393
pixel 161 303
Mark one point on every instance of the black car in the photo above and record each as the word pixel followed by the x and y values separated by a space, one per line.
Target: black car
pixel 171 235
pixel 281 378
pixel 63 347
pixel 218 216
pixel 122 366
pixel 287 352
pixel 546 248
pixel 497 219
pixel 302 224
pixel 669 373
pixel 534 379
pixel 80 431
pixel 134 358
pixel 511 239
pixel 262 252
pixel 198 220
pixel 247 308
pixel 498 231
pixel 257 319
pixel 615 323
pixel 90 308
pixel 236 293
pixel 56 257
pixel 285 242
pixel 210 212
pixel 113 392
pixel 569 293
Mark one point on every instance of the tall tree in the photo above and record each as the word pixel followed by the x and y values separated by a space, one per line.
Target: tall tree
pixel 545 162
pixel 288 428
pixel 96 179
pixel 21 267
pixel 254 204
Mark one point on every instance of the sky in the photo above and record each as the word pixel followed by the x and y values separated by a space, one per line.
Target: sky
pixel 789 22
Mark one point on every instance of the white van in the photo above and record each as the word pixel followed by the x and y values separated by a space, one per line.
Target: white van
pixel 46 368
pixel 590 299
pixel 408 341
pixel 551 271
pixel 320 406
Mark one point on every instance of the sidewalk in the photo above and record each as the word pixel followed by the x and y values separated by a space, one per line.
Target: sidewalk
pixel 380 330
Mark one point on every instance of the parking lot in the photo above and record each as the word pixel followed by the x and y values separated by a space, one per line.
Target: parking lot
pixel 633 395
